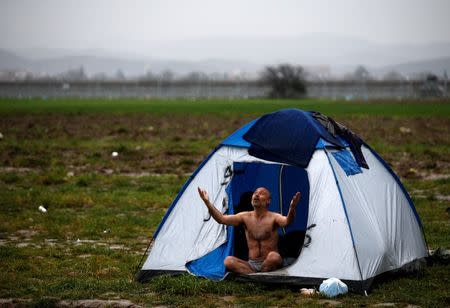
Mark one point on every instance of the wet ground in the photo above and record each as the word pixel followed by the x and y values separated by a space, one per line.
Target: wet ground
pixel 414 147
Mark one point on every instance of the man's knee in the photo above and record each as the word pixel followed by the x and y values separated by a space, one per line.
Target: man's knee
pixel 274 258
pixel 272 262
pixel 229 262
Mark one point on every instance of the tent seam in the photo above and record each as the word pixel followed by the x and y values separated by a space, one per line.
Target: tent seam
pixel 346 217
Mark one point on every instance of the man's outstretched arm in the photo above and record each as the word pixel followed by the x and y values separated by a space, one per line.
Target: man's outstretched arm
pixel 233 220
pixel 284 221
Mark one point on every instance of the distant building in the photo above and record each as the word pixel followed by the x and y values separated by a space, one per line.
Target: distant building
pixel 15 75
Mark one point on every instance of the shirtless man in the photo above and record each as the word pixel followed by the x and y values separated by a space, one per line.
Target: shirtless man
pixel 260 229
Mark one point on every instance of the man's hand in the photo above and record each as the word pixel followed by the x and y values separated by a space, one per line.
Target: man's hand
pixel 284 221
pixel 295 200
pixel 203 194
pixel 233 220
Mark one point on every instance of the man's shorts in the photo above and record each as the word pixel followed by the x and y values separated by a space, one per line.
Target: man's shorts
pixel 255 265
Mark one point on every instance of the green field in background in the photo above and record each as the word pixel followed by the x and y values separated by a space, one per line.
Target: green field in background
pixel 439 108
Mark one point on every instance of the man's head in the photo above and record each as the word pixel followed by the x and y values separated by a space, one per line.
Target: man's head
pixel 261 198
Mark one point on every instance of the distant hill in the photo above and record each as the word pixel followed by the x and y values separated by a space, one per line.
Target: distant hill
pixel 9 60
pixel 436 66
pixel 95 64
pixel 340 53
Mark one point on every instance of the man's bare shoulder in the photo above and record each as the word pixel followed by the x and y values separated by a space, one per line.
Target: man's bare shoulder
pixel 273 214
pixel 244 214
pixel 276 216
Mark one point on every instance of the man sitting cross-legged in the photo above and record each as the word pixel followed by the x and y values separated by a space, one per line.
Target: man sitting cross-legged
pixel 260 229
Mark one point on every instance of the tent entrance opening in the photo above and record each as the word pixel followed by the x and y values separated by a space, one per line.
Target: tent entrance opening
pixel 283 181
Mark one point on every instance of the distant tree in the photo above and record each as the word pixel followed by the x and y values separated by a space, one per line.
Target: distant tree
pixel 431 87
pixel 149 76
pixel 285 80
pixel 167 75
pixel 196 77
pixel 393 76
pixel 76 74
pixel 99 76
pixel 420 75
pixel 119 75
pixel 216 76
pixel 361 73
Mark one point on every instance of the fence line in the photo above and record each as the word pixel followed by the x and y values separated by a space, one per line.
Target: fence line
pixel 218 89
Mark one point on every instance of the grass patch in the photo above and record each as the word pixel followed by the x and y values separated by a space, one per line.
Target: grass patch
pixel 187 285
pixel 221 106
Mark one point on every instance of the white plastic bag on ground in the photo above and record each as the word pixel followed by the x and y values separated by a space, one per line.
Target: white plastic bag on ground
pixel 333 287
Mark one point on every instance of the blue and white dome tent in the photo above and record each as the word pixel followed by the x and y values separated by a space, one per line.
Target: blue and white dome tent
pixel 354 222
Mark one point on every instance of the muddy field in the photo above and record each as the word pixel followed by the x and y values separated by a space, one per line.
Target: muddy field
pixel 146 144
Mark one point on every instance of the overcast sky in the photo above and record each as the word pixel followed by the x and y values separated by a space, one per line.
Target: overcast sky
pixel 133 24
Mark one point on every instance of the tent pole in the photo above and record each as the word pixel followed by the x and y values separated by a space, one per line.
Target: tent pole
pixel 280 192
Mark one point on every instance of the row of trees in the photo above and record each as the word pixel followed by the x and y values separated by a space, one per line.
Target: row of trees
pixel 361 73
pixel 79 74
pixel 284 80
pixel 288 81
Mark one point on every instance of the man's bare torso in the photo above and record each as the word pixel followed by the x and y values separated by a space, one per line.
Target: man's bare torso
pixel 261 233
